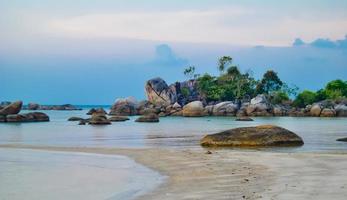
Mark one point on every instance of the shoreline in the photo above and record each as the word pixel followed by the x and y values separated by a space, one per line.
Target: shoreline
pixel 193 174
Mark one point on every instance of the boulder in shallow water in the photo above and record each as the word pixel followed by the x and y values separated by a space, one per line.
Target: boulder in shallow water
pixel 341 110
pixel 28 117
pixel 342 139
pixel 243 118
pixel 37 116
pixel 226 108
pixel 12 109
pixel 316 110
pixel 16 118
pixel 328 112
pixel 91 111
pixel 118 118
pixel 148 118
pixel 33 106
pixel 125 107
pixel 259 106
pixel 75 119
pixel 99 119
pixel 193 109
pixel 265 135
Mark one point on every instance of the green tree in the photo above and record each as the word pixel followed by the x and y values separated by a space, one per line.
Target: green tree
pixel 269 83
pixel 223 63
pixel 305 98
pixel 336 89
pixel 189 72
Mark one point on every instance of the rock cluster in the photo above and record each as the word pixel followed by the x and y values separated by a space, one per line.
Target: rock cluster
pixel 10 113
pixel 36 106
pixel 265 135
pixel 159 93
pixel 99 119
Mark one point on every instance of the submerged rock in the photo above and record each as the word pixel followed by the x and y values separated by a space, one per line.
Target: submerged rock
pixel 11 109
pixel 75 119
pixel 244 118
pixel 265 135
pixel 118 118
pixel 193 109
pixel 148 118
pixel 342 139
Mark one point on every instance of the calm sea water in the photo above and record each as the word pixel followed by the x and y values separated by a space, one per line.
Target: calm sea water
pixel 319 134
pixel 29 174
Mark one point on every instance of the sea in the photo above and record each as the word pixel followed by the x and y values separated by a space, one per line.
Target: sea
pixel 38 174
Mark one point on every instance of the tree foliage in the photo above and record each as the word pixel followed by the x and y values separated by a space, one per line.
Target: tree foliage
pixel 269 83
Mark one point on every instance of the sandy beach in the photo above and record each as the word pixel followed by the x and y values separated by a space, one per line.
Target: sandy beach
pixel 226 174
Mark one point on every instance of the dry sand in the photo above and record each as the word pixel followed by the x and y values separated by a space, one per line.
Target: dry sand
pixel 224 174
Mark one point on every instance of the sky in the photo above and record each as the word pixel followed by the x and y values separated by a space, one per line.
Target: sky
pixel 95 51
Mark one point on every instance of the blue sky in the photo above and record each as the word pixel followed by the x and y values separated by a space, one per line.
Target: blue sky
pixel 94 51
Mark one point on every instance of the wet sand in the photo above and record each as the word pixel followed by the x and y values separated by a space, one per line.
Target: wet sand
pixel 193 174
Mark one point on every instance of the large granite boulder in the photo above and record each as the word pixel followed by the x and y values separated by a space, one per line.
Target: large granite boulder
pixel 193 109
pixel 99 119
pixel 11 109
pixel 265 135
pixel 259 106
pixel 226 108
pixel 37 117
pixel 151 117
pixel 28 117
pixel 316 110
pixel 328 112
pixel 16 118
pixel 158 92
pixel 279 110
pixel 124 107
pixel 341 110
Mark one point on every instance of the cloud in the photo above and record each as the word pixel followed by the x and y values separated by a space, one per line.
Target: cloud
pixel 323 43
pixel 228 25
pixel 165 56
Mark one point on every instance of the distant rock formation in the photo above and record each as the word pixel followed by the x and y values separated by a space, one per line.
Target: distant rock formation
pixel 159 93
pixel 36 106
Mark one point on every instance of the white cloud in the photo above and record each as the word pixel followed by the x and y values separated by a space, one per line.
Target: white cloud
pixel 230 25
